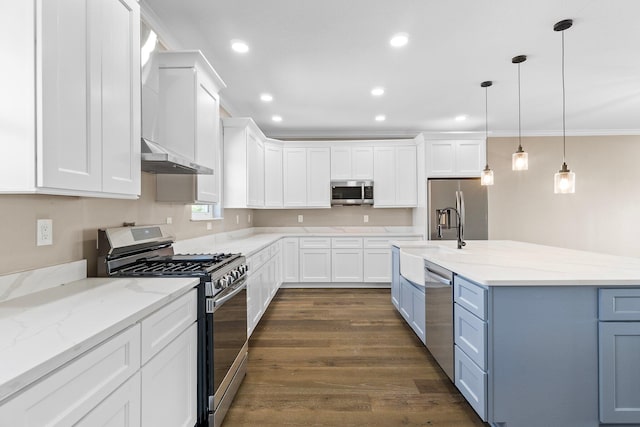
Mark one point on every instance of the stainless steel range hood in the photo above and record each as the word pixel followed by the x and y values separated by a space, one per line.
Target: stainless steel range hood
pixel 158 159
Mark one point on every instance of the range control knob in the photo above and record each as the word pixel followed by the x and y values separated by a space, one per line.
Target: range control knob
pixel 235 274
pixel 243 268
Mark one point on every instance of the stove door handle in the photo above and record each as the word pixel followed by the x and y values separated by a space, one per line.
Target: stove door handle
pixel 236 290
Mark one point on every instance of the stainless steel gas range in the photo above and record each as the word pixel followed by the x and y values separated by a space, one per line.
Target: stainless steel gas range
pixel 147 251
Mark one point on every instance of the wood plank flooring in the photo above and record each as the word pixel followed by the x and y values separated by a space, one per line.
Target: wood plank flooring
pixel 342 357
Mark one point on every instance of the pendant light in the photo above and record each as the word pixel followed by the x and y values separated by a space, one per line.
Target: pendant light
pixel 486 177
pixel 564 181
pixel 519 159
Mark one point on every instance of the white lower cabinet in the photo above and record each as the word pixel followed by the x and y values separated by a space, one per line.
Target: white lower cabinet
pixel 263 282
pixel 70 393
pixel 315 265
pixel 120 409
pixel 290 262
pixel 169 383
pixel 377 268
pixel 346 265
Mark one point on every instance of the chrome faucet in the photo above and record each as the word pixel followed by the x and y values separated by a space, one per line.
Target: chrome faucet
pixel 445 222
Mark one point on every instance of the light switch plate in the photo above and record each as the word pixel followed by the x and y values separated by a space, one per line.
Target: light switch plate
pixel 300 218
pixel 366 218
pixel 44 232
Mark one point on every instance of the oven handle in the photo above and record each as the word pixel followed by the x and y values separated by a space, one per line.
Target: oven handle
pixel 237 289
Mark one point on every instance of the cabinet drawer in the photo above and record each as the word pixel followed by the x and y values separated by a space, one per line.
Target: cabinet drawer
pixel 470 334
pixel 161 327
pixel 619 304
pixel 472 382
pixel 377 242
pixel 346 243
pixel 470 296
pixel 71 392
pixel 274 248
pixel 315 243
pixel 256 260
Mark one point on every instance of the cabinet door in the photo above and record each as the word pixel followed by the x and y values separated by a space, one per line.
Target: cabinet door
pixel 315 265
pixel 255 170
pixel 318 177
pixel 418 320
pixel 119 23
pixel 406 300
pixel 619 346
pixel 121 408
pixel 169 384
pixel 362 163
pixel 441 158
pixel 273 197
pixel 295 177
pixel 208 139
pixel 253 301
pixel 346 265
pixel 290 255
pixel 406 177
pixel 469 158
pixel 384 170
pixel 68 140
pixel 377 265
pixel 395 277
pixel 341 163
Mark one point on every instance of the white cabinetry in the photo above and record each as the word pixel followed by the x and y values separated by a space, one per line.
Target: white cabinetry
pixel 263 281
pixel 395 176
pixel 189 124
pixel 346 259
pixel 459 158
pixel 306 177
pixel 377 260
pixel 290 249
pixel 351 162
pixel 273 168
pixel 315 259
pixel 74 101
pixel 121 408
pixel 244 168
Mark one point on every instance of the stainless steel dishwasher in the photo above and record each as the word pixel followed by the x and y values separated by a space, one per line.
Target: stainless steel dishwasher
pixel 439 315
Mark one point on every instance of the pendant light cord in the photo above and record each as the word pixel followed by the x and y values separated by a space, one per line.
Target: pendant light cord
pixel 519 119
pixel 564 143
pixel 486 126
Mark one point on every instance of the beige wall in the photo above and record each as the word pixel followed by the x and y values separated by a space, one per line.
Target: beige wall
pixel 76 220
pixel 336 216
pixel 604 213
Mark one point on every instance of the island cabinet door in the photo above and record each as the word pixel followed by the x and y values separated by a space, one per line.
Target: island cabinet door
pixel 619 352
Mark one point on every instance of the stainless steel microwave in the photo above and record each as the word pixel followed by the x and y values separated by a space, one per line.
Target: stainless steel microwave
pixel 351 193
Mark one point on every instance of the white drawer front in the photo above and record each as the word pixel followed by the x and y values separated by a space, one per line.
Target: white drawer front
pixel 470 296
pixel 377 242
pixel 256 261
pixel 470 334
pixel 315 243
pixel 71 392
pixel 164 325
pixel 121 408
pixel 346 243
pixel 472 382
pixel 619 304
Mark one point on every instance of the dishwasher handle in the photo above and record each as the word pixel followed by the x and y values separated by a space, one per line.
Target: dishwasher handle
pixel 432 276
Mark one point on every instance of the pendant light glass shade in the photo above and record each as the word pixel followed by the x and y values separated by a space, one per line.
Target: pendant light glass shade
pixel 519 159
pixel 486 176
pixel 564 181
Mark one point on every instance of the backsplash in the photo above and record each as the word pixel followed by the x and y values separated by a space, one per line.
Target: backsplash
pixel 76 220
pixel 336 216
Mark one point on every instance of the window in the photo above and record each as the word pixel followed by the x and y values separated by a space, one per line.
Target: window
pixel 206 212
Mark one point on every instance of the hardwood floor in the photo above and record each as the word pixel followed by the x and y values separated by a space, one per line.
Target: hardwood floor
pixel 342 357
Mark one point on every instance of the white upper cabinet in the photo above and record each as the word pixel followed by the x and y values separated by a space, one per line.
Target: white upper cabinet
pixel 318 177
pixel 395 176
pixel 74 103
pixel 244 164
pixel 188 124
pixel 273 185
pixel 307 177
pixel 295 177
pixel 453 159
pixel 351 162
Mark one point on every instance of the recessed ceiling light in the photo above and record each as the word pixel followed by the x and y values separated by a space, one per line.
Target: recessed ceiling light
pixel 461 118
pixel 399 40
pixel 276 118
pixel 377 91
pixel 266 97
pixel 239 46
pixel 381 118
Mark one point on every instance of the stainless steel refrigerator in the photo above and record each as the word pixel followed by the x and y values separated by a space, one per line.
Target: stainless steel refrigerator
pixel 468 197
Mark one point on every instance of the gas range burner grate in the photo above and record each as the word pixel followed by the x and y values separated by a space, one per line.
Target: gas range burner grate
pixel 177 265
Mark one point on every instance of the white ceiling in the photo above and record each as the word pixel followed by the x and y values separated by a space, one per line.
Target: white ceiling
pixel 320 59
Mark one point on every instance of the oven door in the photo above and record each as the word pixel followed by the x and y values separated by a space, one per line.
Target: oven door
pixel 346 193
pixel 227 339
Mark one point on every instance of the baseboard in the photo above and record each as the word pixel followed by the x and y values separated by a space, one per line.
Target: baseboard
pixel 354 285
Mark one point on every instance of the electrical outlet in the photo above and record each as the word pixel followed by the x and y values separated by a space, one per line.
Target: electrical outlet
pixel 169 220
pixel 300 218
pixel 249 218
pixel 237 219
pixel 209 226
pixel 366 218
pixel 44 232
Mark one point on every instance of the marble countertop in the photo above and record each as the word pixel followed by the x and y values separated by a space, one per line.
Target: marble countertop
pixel 511 263
pixel 43 330
pixel 249 244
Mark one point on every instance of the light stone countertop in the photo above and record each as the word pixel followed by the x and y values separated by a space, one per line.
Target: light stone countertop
pixel 511 263
pixel 44 330
pixel 249 244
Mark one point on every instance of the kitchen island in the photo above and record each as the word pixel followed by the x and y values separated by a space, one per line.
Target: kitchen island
pixel 542 335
